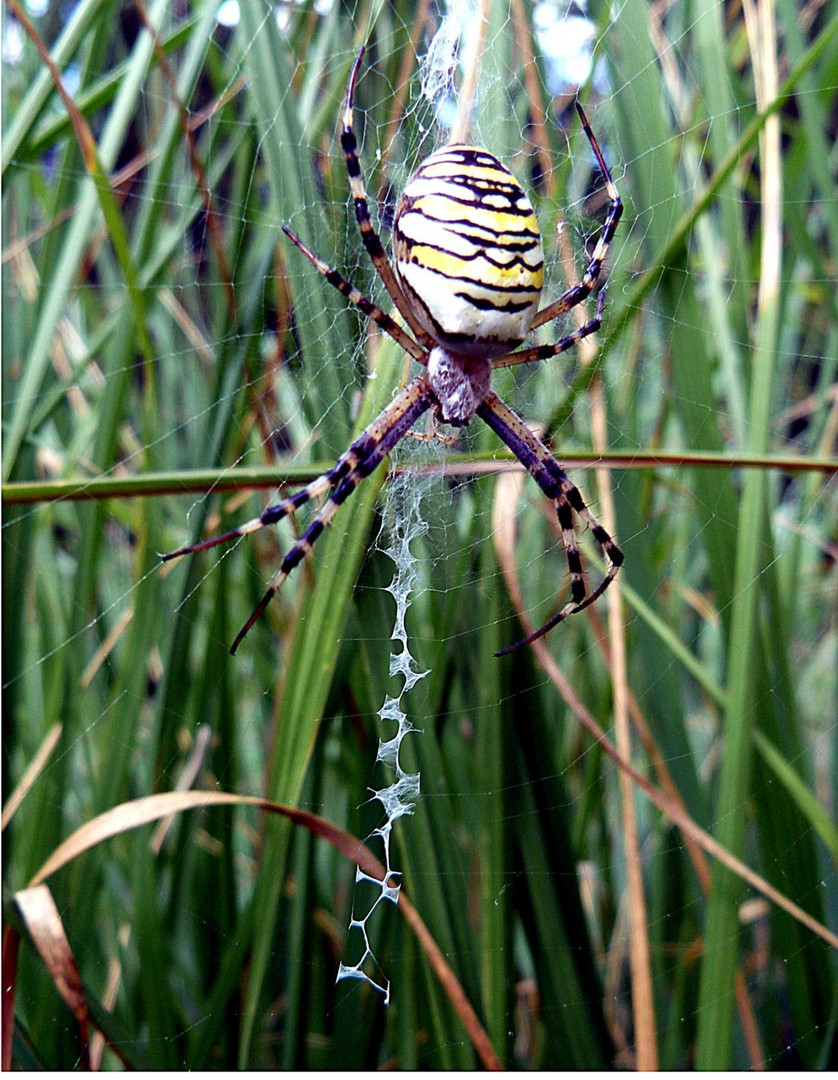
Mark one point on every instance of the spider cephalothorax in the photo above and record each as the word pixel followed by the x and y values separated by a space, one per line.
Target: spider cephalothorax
pixel 467 281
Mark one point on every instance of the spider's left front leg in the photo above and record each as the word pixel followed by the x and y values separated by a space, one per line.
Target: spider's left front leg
pixel 344 286
pixel 370 238
pixel 362 458
pixel 556 485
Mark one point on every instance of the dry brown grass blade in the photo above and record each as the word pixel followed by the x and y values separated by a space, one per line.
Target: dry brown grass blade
pixel 503 524
pixel 210 211
pixel 87 144
pixel 507 493
pixel 675 812
pixel 11 948
pixel 43 922
pixel 143 811
pixel 696 855
pixel 33 771
pixel 643 998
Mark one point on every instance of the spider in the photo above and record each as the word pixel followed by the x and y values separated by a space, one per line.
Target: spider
pixel 468 274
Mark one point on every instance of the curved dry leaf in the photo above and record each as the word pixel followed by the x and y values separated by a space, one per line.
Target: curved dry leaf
pixel 142 811
pixel 43 921
pixel 129 816
pixel 11 950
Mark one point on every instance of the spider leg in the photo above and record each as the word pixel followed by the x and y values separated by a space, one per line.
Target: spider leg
pixel 370 238
pixel 544 352
pixel 362 458
pixel 556 485
pixel 379 317
pixel 577 293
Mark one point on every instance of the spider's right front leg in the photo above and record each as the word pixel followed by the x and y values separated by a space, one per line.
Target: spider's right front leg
pixel 544 352
pixel 577 293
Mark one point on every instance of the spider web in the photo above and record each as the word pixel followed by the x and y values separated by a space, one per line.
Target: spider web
pixel 93 631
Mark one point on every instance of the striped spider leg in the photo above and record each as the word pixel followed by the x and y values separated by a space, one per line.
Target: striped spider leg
pixel 369 237
pixel 545 352
pixel 557 486
pixel 577 293
pixel 361 459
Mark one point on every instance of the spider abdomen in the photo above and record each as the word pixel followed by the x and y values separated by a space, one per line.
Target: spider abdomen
pixel 468 252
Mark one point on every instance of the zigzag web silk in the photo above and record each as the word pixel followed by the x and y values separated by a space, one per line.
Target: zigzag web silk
pixel 405 524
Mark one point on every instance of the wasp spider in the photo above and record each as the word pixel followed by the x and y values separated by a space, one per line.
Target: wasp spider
pixel 467 281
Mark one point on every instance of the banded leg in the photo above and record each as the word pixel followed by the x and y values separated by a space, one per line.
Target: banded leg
pixel 362 458
pixel 370 238
pixel 556 485
pixel 577 293
pixel 379 317
pixel 544 352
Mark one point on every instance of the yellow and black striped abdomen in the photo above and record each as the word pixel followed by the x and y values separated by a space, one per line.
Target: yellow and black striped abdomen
pixel 468 252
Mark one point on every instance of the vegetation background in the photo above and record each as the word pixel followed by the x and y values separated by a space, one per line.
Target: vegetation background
pixel 166 353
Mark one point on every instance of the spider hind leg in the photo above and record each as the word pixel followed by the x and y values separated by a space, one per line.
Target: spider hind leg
pixel 299 551
pixel 569 500
pixel 557 486
pixel 362 458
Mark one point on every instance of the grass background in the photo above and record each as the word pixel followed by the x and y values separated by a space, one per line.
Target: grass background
pixel 163 347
